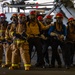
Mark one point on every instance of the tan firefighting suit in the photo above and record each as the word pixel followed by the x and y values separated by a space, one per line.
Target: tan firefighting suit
pixel 8 49
pixel 22 47
pixel 2 36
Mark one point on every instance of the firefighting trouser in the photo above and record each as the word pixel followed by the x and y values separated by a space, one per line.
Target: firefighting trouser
pixel 1 53
pixel 69 53
pixel 23 49
pixel 55 53
pixel 8 53
pixel 36 41
pixel 45 45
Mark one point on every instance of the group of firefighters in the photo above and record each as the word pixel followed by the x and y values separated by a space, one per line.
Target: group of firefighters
pixel 18 38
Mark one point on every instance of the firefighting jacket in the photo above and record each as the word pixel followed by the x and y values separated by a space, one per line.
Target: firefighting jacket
pixel 20 32
pixel 3 27
pixel 71 33
pixel 53 29
pixel 12 29
pixel 33 29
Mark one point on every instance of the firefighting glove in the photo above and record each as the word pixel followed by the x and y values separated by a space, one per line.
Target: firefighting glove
pixel 53 34
pixel 43 37
pixel 63 37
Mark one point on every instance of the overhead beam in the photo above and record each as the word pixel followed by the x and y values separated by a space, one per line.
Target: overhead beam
pixel 28 5
pixel 39 8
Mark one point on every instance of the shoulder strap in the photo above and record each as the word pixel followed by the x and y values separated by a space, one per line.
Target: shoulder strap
pixel 39 26
pixel 55 25
pixel 29 23
pixel 25 27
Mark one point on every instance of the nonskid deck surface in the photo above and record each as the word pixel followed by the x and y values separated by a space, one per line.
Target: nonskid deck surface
pixel 40 71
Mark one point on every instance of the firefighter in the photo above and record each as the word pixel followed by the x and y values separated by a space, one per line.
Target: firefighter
pixel 9 41
pixel 46 38
pixel 20 44
pixel 12 28
pixel 34 31
pixel 58 33
pixel 70 42
pixel 3 26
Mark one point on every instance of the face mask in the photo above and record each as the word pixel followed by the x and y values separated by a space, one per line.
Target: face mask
pixel 23 19
pixel 32 17
pixel 2 19
pixel 14 20
pixel 48 22
pixel 59 21
pixel 20 20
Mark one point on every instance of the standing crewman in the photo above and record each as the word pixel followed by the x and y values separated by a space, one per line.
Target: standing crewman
pixel 70 43
pixel 20 45
pixel 9 41
pixel 58 33
pixel 45 37
pixel 3 26
pixel 34 33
